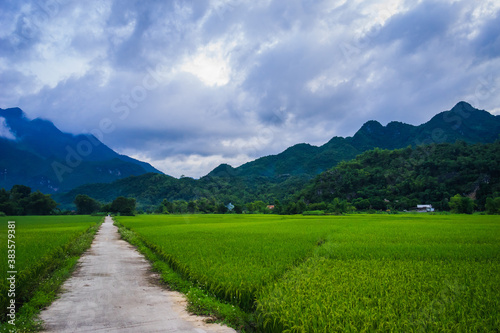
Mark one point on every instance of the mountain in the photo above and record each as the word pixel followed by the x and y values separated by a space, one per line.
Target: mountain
pixel 462 122
pixel 403 178
pixel 37 154
pixel 280 177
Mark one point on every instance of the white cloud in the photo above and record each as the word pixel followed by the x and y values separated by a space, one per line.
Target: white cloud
pixel 5 131
pixel 191 165
pixel 210 64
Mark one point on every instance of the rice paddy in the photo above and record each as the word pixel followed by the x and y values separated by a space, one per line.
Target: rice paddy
pixel 358 273
pixel 42 244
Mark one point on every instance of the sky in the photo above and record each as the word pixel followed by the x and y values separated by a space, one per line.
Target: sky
pixel 187 85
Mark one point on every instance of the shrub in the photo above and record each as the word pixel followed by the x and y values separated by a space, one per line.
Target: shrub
pixel 493 205
pixel 461 205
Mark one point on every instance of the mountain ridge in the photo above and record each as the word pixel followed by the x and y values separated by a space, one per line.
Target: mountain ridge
pixel 270 178
pixel 264 177
pixel 462 122
pixel 37 154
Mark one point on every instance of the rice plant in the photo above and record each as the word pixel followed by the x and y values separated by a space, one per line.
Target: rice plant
pixel 41 243
pixel 359 273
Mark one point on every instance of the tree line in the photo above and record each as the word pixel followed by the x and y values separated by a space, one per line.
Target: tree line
pixel 126 206
pixel 21 201
pixel 86 205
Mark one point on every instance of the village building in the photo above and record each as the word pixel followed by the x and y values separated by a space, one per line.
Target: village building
pixel 424 208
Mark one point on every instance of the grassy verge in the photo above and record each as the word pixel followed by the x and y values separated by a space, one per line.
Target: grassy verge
pixel 200 301
pixel 43 289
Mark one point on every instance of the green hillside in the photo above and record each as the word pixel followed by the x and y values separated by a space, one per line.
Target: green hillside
pixel 402 178
pixel 150 189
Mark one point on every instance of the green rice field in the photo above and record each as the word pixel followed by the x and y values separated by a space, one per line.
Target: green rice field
pixel 42 244
pixel 358 273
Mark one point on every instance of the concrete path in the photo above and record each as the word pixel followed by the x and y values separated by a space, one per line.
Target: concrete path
pixel 114 290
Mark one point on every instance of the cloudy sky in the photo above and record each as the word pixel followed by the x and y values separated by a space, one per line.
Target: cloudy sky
pixel 187 85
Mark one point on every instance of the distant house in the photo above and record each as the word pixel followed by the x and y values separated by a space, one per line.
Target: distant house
pixel 424 208
pixel 271 207
pixel 230 206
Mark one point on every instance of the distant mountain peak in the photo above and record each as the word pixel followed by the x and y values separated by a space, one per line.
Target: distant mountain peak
pixel 371 126
pixel 464 109
pixel 37 154
pixel 223 170
pixel 12 113
pixel 462 106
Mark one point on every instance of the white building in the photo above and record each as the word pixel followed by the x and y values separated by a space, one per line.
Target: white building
pixel 424 208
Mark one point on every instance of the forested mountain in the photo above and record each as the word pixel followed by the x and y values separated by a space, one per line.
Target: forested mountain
pixel 402 178
pixel 277 177
pixel 37 154
pixel 377 179
pixel 462 122
pixel 150 189
pixel 281 177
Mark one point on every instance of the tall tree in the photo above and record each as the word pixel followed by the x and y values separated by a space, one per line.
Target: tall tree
pixel 7 206
pixel 40 204
pixel 461 205
pixel 191 207
pixel 493 205
pixel 123 206
pixel 19 192
pixel 86 205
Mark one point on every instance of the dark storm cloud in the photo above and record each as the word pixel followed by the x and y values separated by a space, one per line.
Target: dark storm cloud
pixel 12 83
pixel 128 54
pixel 190 84
pixel 487 42
pixel 417 28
